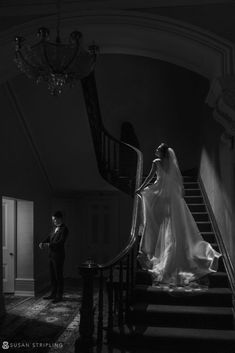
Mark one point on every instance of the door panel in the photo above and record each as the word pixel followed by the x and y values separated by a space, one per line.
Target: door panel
pixel 8 232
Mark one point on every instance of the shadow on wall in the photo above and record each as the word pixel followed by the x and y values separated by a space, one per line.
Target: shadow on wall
pixel 162 101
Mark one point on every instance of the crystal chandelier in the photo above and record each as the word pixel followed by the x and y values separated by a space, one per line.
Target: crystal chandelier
pixel 59 64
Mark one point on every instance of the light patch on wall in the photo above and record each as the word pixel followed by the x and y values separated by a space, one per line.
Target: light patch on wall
pixel 209 175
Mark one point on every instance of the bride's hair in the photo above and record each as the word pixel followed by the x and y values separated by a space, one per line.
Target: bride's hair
pixel 163 148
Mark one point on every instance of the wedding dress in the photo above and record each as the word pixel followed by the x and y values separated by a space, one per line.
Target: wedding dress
pixel 172 248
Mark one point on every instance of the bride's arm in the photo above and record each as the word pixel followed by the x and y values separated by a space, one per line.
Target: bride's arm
pixel 149 176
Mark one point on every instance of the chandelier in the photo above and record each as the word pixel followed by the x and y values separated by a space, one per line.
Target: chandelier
pixel 58 64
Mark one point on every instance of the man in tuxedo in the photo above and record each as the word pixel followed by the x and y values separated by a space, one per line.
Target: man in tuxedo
pixel 55 242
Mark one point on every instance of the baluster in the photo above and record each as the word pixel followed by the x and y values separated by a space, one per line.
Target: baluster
pixel 101 308
pixel 86 327
pixel 132 272
pixel 110 301
pixel 115 157
pixel 100 141
pixel 103 149
pixel 108 156
pixel 111 155
pixel 120 306
pixel 135 250
pixel 127 286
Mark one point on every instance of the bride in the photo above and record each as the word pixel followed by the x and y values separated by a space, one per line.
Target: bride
pixel 171 248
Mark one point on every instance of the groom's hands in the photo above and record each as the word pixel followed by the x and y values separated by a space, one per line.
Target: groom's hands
pixel 43 245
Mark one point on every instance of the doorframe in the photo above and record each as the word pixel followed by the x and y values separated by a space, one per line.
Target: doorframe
pixel 13 238
pixel 24 285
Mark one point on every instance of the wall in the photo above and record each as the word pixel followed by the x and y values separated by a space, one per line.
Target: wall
pixel 99 226
pixel 218 175
pixel 22 178
pixel 161 100
pixel 60 129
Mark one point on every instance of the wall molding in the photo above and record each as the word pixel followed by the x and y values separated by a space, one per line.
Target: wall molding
pixel 221 98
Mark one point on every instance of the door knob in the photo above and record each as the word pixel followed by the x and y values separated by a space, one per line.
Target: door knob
pixel 11 253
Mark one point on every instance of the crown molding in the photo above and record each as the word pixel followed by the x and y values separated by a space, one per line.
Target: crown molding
pixel 43 7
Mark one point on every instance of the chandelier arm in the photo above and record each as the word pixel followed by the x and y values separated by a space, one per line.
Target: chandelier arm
pixel 47 59
pixel 25 61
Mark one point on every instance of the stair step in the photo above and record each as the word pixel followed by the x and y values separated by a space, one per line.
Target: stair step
pixel 194 199
pixel 215 246
pixel 192 192
pixel 197 207
pixel 201 216
pixel 182 316
pixel 219 280
pixel 177 340
pixel 209 236
pixel 191 185
pixel 190 178
pixel 210 297
pixel 204 226
pixel 216 280
pixel 221 267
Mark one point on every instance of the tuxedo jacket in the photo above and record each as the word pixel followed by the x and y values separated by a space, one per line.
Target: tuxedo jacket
pixel 56 240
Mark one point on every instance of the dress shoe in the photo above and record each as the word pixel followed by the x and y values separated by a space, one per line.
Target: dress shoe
pixel 49 297
pixel 57 300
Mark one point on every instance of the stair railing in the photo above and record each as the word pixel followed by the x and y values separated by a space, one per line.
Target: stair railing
pixel 122 166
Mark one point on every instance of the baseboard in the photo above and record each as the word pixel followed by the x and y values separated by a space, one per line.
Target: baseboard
pixel 227 260
pixel 22 293
pixel 24 286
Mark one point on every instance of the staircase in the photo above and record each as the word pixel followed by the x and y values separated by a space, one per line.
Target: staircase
pixel 143 318
pixel 161 322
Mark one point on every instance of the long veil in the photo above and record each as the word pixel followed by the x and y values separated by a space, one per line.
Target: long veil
pixel 174 170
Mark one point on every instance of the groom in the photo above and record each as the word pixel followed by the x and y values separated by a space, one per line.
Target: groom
pixel 55 242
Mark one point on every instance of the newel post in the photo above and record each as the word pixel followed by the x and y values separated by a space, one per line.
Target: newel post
pixel 85 341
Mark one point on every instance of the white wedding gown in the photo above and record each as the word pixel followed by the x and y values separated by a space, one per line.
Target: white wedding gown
pixel 171 247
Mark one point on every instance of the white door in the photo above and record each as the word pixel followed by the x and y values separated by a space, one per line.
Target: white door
pixel 8 232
